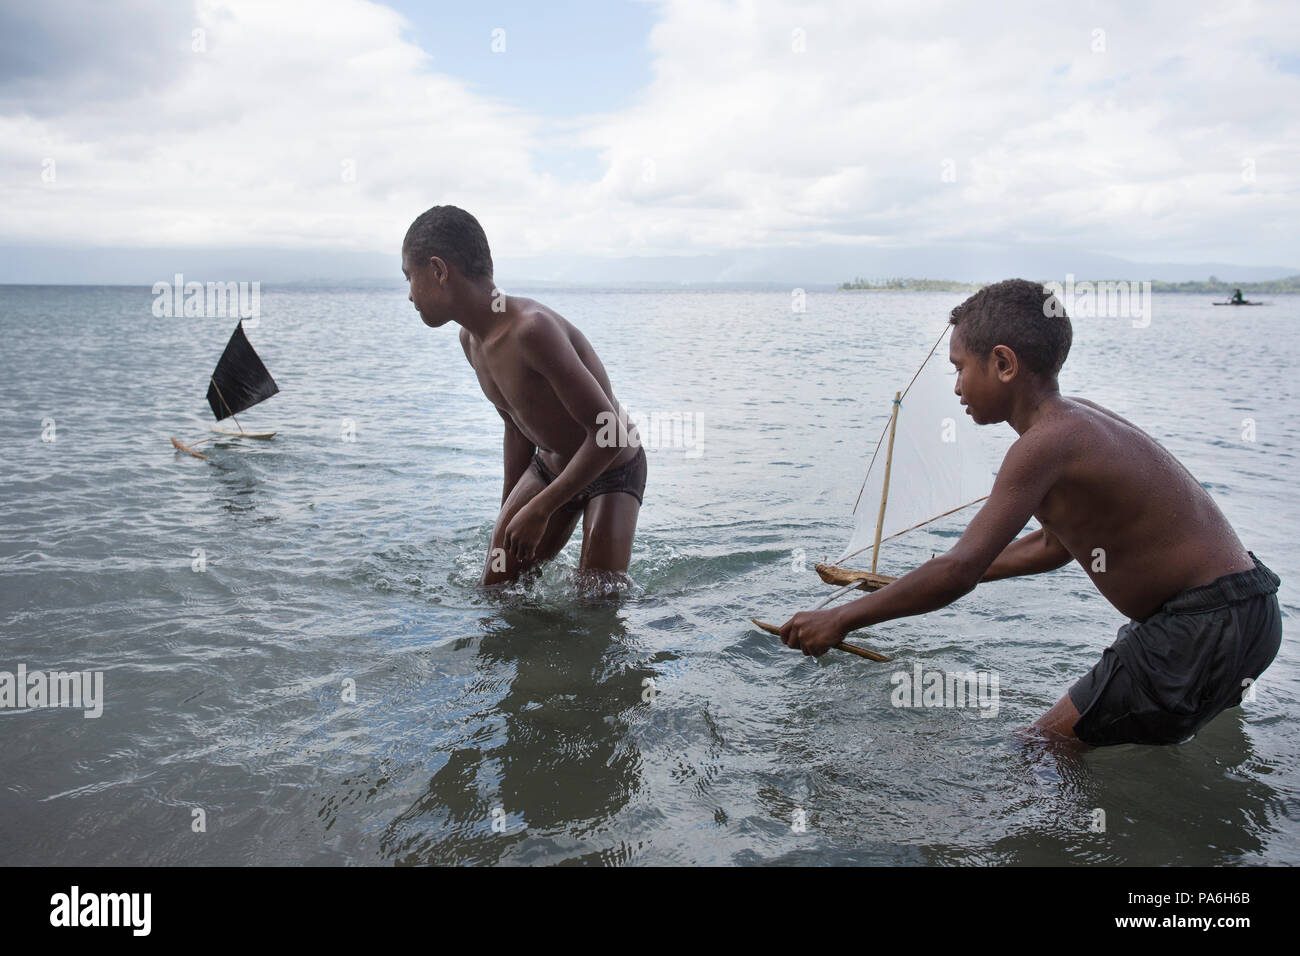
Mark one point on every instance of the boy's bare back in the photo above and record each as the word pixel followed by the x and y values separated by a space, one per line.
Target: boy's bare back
pixel 1133 517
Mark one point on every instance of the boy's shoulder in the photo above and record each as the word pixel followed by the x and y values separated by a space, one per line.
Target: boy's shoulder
pixel 1050 430
pixel 1069 432
pixel 1080 432
pixel 536 326
pixel 1079 400
pixel 1074 417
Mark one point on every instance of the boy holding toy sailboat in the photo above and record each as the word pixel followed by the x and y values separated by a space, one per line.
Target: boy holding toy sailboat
pixel 1205 620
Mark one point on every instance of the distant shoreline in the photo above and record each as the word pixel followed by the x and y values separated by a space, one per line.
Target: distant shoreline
pixel 549 287
pixel 1212 285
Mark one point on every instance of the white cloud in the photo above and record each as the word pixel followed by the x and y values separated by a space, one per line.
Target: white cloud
pixel 1138 148
pixel 250 142
pixel 738 141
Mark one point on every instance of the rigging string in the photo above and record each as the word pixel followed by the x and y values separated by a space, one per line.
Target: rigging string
pixel 914 527
pixel 213 380
pixel 881 439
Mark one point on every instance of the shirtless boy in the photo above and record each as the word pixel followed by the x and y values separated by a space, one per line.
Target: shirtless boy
pixel 551 391
pixel 1204 613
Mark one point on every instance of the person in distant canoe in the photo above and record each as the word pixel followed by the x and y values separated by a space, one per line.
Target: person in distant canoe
pixel 569 453
pixel 1204 613
pixel 1237 297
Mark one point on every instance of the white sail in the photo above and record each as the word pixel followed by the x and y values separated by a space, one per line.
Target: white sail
pixel 941 462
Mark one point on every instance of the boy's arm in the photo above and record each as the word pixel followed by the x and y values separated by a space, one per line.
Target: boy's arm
pixel 517 450
pixel 518 453
pixel 1028 472
pixel 1032 554
pixel 552 355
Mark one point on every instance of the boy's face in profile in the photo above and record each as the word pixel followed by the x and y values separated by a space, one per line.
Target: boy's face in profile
pixel 426 293
pixel 978 385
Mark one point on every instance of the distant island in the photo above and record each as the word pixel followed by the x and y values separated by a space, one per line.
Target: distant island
pixel 1211 285
pixel 913 285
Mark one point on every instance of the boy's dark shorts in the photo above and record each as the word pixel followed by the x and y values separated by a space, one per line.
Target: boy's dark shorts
pixel 629 477
pixel 1166 677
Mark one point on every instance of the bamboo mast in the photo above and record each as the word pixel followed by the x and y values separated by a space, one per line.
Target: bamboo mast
pixel 884 489
pixel 224 402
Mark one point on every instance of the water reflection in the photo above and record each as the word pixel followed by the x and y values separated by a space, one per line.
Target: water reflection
pixel 1193 804
pixel 236 488
pixel 549 762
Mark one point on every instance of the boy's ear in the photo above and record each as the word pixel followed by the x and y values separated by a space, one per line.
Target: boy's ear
pixel 1005 363
pixel 439 271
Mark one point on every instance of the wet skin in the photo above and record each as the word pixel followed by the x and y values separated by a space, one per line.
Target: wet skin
pixel 553 396
pixel 1101 488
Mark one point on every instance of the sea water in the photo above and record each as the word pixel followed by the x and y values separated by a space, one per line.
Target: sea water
pixel 299 667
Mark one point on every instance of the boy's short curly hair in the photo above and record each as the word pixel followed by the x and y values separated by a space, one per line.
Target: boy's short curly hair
pixel 453 235
pixel 1022 315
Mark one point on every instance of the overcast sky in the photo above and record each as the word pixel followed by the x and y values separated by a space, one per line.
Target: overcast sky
pixel 1158 132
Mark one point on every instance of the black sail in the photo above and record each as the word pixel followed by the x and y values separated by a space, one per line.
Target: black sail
pixel 240 380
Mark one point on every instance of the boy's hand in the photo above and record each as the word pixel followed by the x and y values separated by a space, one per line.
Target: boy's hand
pixel 813 632
pixel 524 532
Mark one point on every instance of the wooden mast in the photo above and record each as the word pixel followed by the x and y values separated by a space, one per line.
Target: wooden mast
pixel 884 489
pixel 224 402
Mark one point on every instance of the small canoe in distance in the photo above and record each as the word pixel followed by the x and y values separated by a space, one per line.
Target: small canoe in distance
pixel 1238 303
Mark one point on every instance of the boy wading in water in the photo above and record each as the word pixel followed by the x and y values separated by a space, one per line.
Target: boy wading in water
pixel 551 391
pixel 1205 620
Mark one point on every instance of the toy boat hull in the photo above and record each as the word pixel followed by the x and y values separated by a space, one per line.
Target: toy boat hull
pixel 222 431
pixel 868 580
